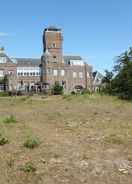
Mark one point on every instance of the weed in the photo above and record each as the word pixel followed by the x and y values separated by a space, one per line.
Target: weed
pixel 3 139
pixel 9 120
pixel 28 167
pixel 114 139
pixel 31 142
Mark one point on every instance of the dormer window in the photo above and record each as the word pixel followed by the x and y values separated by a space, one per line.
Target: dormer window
pixel 2 59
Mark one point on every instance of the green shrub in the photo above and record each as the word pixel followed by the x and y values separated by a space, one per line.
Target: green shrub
pixel 57 89
pixel 9 120
pixel 28 167
pixel 31 142
pixel 3 139
pixel 4 94
pixel 85 91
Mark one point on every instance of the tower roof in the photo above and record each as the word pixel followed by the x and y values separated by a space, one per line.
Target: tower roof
pixel 52 28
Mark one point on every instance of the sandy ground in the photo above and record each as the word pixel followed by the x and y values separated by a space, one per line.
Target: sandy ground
pixel 83 140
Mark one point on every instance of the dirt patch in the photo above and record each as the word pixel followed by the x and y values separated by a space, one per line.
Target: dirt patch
pixel 82 140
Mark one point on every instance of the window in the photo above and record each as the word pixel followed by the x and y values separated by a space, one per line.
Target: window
pixel 54 59
pixel 31 74
pixel 55 72
pixel 62 72
pixel 1 73
pixel 80 75
pixel 53 45
pixel 74 74
pixel 88 76
pixel 49 71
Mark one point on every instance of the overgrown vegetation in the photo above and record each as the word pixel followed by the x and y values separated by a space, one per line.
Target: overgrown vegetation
pixel 91 133
pixel 119 81
pixel 4 94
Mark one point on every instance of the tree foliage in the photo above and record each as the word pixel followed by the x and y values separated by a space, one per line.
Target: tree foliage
pixel 57 89
pixel 120 82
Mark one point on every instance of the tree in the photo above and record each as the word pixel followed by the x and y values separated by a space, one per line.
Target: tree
pixel 57 89
pixel 4 82
pixel 121 83
pixel 107 80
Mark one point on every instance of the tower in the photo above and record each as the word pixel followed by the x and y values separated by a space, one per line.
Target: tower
pixel 52 58
pixel 52 42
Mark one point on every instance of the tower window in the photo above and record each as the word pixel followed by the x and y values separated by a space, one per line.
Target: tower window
pixel 53 45
pixel 80 75
pixel 62 72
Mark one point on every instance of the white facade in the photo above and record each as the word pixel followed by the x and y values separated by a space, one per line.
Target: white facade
pixel 28 71
pixel 1 73
pixel 77 62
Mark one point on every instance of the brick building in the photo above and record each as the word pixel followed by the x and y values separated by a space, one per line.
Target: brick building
pixel 70 71
pixel 39 74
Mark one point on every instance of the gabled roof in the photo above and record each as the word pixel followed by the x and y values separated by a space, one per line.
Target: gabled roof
pixel 8 60
pixel 97 74
pixel 28 61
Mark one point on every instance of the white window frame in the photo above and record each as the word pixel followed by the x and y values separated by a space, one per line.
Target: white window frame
pixel 81 75
pixel 55 72
pixel 74 75
pixel 62 72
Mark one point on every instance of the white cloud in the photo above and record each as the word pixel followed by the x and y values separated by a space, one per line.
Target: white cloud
pixel 2 34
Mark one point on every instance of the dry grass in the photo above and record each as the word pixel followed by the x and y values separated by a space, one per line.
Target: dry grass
pixel 84 140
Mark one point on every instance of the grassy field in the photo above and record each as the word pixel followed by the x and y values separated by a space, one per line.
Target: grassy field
pixel 65 140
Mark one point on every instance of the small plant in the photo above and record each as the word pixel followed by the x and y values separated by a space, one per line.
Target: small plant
pixel 114 139
pixel 57 89
pixel 3 139
pixel 28 167
pixel 24 98
pixel 9 120
pixel 31 142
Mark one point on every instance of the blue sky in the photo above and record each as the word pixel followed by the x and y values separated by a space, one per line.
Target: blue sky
pixel 98 30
